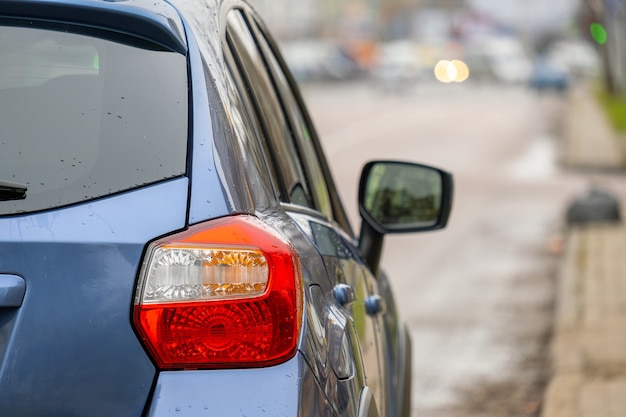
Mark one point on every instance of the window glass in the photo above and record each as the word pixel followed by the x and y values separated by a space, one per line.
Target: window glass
pixel 84 117
pixel 284 155
pixel 248 134
pixel 300 131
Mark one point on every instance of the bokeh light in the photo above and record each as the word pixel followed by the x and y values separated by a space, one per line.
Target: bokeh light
pixel 451 71
pixel 462 71
pixel 445 71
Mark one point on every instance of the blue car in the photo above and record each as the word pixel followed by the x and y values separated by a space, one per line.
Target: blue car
pixel 549 76
pixel 171 239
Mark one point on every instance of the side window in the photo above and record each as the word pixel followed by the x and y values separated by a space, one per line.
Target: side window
pixel 247 131
pixel 293 184
pixel 299 128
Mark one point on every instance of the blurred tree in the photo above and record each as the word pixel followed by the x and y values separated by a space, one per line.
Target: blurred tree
pixel 603 22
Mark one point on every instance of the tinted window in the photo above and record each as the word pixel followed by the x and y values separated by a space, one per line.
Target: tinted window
pixel 84 117
pixel 252 151
pixel 293 185
pixel 300 131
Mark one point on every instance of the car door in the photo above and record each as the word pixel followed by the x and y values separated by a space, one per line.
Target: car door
pixel 310 199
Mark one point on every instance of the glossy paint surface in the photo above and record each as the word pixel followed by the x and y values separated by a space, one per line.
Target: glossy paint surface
pixel 70 344
pixel 289 389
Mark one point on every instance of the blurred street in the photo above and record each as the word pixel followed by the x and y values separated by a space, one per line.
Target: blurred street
pixel 496 323
pixel 479 296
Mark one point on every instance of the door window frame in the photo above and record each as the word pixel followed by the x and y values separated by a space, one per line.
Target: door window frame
pixel 313 164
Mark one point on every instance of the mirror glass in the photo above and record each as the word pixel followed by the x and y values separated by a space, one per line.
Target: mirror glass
pixel 402 195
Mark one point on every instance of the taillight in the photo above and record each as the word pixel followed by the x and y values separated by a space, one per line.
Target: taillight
pixel 223 294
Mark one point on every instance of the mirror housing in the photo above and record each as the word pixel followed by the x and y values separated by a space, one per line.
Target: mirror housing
pixel 400 197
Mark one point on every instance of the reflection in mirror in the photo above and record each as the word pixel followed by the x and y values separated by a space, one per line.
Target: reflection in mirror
pixel 400 195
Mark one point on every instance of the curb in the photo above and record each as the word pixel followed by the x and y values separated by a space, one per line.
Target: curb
pixel 588 349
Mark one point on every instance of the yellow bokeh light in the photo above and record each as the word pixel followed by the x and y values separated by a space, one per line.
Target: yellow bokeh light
pixel 462 71
pixel 445 71
pixel 451 71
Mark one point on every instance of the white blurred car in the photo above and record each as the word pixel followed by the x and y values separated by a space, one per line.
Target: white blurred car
pixel 319 60
pixel 578 57
pixel 500 59
pixel 397 66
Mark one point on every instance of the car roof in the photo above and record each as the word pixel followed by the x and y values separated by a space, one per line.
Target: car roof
pixel 155 21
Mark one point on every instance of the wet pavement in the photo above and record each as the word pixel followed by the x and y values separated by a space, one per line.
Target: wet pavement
pixel 480 296
pixel 477 296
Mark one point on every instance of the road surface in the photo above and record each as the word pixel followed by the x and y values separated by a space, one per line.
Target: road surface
pixel 478 296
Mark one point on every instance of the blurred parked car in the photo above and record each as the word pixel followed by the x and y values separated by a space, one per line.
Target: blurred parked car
pixel 577 57
pixel 548 75
pixel 397 66
pixel 319 60
pixel 499 59
pixel 171 239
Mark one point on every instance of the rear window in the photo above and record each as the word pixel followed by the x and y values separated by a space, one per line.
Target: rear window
pixel 82 117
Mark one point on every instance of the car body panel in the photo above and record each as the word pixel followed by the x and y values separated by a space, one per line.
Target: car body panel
pixel 70 345
pixel 281 390
pixel 205 172
pixel 344 267
pixel 101 220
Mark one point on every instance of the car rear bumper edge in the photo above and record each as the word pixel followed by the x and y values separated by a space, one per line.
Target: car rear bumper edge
pixel 288 389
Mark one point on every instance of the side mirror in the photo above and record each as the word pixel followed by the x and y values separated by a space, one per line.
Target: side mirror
pixel 400 197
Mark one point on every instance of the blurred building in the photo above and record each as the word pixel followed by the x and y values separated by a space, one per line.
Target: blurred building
pixel 374 19
pixel 385 19
pixel 313 18
pixel 289 18
pixel 352 26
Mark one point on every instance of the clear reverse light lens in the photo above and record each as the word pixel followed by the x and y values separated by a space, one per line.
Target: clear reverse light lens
pixel 198 274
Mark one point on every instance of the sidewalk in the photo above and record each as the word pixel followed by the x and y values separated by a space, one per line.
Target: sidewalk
pixel 589 342
pixel 589 140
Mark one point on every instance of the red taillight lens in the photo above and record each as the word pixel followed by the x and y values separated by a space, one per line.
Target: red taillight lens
pixel 222 294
